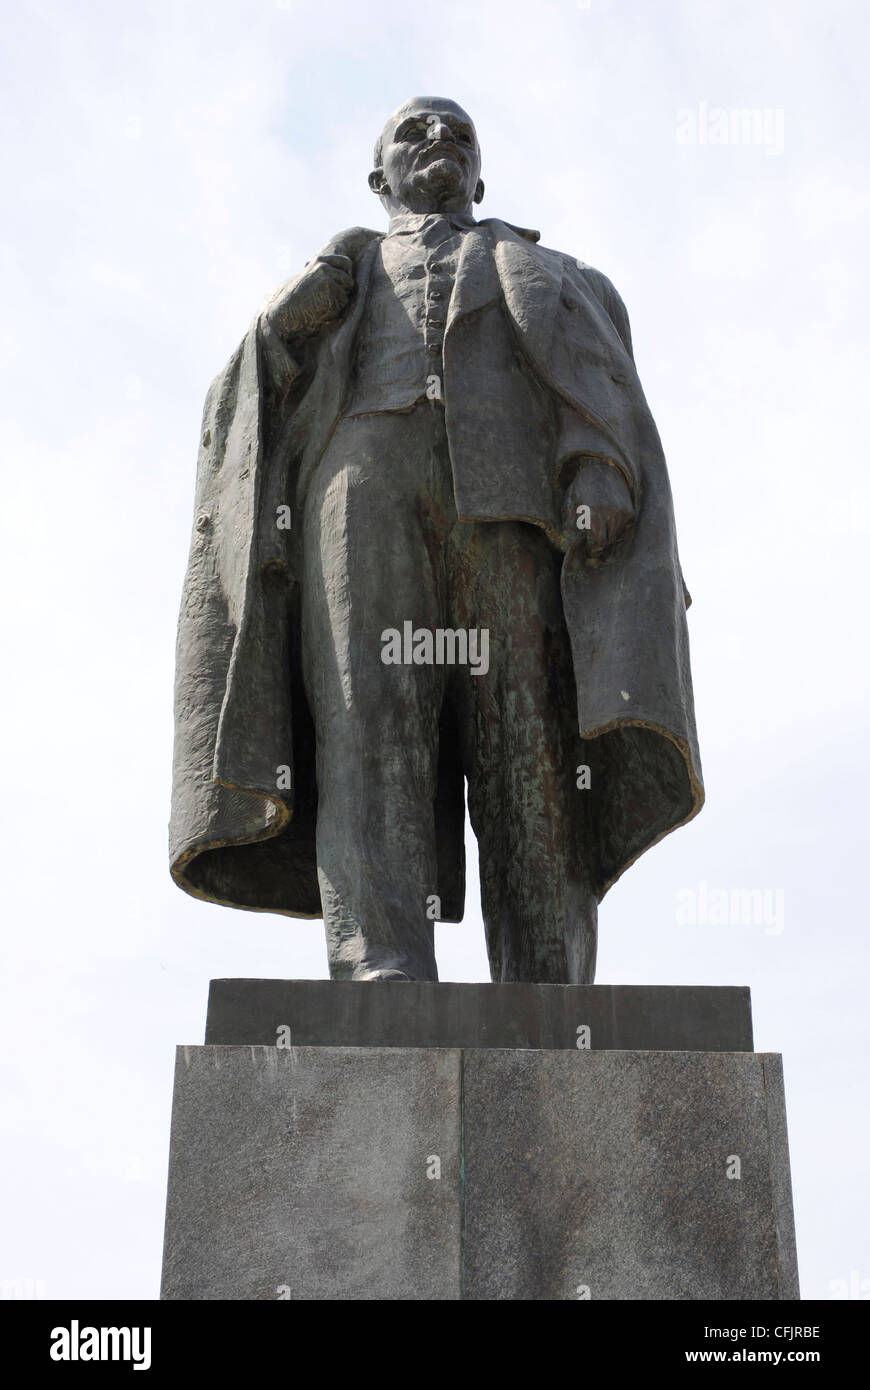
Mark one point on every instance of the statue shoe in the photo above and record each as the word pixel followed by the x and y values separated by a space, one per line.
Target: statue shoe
pixel 384 975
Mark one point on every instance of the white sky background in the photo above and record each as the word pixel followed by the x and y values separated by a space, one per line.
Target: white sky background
pixel 167 165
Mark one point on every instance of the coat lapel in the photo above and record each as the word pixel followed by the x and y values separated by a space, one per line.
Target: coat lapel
pixel 338 344
pixel 531 288
pixel 476 282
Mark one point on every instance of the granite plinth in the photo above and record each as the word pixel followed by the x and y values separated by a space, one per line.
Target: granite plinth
pixel 414 1173
pixel 302 1174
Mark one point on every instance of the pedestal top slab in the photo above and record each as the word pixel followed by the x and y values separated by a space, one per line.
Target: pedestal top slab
pixel 343 1013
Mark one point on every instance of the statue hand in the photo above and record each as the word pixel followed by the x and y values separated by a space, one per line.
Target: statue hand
pixel 598 511
pixel 315 298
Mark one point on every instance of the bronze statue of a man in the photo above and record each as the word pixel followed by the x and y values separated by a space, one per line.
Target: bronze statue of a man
pixel 434 542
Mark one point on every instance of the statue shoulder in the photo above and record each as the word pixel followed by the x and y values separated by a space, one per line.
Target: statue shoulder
pixel 601 286
pixel 527 233
pixel 604 290
pixel 352 242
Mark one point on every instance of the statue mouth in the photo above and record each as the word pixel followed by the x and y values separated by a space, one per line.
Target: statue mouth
pixel 436 152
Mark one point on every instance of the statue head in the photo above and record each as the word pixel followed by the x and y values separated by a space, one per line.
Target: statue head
pixel 427 159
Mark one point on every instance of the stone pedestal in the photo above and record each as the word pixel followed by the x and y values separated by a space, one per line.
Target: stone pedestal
pixel 466 1148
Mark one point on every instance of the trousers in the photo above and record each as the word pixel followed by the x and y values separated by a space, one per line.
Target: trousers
pixel 385 553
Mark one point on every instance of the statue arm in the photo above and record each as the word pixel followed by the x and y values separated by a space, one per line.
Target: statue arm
pixel 598 509
pixel 619 314
pixel 283 365
pixel 611 301
pixel 600 505
pixel 297 312
pixel 312 301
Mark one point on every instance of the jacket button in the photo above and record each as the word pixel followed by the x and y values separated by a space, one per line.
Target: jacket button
pixel 203 521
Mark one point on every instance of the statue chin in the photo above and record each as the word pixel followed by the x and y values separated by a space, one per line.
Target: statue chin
pixel 439 181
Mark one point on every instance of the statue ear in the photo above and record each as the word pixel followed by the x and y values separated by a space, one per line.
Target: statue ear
pixel 478 192
pixel 376 181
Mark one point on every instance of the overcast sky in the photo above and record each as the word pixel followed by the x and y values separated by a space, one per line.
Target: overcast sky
pixel 168 164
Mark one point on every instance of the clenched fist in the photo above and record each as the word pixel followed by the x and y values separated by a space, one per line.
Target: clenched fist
pixel 598 511
pixel 315 298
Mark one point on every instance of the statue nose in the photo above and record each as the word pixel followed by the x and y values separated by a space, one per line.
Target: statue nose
pixel 438 131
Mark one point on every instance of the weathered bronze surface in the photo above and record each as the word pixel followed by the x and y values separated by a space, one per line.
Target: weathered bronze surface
pixel 434 543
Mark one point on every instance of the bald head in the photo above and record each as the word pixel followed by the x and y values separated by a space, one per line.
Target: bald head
pixel 427 158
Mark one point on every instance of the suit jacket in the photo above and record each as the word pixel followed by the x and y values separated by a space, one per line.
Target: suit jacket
pixel 235 837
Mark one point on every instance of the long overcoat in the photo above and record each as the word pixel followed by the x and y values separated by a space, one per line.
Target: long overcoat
pixel 244 801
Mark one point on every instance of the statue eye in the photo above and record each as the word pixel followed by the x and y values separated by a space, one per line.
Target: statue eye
pixel 412 130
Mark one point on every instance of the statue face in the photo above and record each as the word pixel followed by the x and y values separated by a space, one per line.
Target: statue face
pixel 430 159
